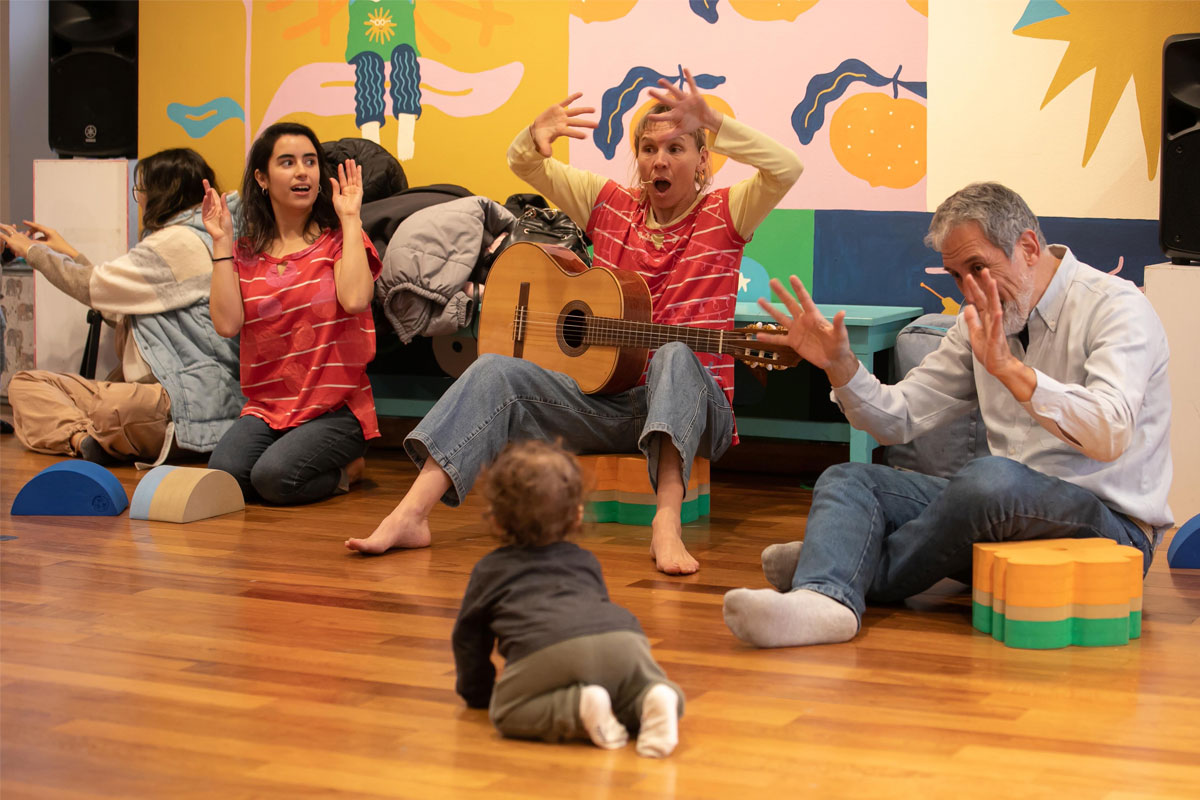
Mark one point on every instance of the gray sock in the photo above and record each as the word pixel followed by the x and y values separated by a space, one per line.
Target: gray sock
pixel 90 450
pixel 779 564
pixel 766 618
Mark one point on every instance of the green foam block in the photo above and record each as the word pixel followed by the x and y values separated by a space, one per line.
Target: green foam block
pixel 1056 633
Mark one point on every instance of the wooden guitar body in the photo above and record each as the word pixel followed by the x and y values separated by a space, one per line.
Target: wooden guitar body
pixel 543 304
pixel 539 302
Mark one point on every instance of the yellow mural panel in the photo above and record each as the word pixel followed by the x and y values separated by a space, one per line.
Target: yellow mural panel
pixel 329 64
pixel 181 61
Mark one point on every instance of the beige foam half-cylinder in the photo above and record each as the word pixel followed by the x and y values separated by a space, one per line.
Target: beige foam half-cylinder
pixel 186 494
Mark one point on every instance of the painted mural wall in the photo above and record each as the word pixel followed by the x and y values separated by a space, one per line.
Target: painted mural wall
pixel 891 104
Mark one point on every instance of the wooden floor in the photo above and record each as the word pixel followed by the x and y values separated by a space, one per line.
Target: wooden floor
pixel 251 656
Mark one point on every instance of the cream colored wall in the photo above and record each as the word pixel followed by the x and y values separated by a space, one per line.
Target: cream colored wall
pixel 1174 291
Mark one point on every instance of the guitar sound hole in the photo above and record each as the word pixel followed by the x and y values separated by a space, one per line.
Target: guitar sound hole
pixel 573 328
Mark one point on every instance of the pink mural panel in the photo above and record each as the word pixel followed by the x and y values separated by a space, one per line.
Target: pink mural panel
pixel 761 70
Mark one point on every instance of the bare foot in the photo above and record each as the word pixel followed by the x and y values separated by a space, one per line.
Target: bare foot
pixel 354 470
pixel 397 530
pixel 666 547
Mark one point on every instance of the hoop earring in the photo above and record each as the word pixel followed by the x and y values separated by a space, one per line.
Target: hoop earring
pixel 264 191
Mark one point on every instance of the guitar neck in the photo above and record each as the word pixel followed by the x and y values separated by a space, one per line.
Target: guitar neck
pixel 611 332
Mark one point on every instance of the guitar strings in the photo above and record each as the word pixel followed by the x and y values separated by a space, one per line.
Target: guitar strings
pixel 613 332
pixel 618 332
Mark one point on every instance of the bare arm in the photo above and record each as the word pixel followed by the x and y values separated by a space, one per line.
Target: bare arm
pixel 225 300
pixel 351 273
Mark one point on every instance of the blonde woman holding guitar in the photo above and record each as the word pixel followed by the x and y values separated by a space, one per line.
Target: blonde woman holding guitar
pixel 686 242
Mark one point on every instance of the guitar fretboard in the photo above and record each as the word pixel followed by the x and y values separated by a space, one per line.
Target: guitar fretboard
pixel 606 331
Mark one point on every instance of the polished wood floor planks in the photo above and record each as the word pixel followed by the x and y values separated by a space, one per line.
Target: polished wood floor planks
pixel 250 655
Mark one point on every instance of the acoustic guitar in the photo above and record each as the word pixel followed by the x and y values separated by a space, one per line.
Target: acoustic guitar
pixel 543 304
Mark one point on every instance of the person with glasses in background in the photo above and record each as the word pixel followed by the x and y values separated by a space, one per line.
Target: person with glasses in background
pixel 177 381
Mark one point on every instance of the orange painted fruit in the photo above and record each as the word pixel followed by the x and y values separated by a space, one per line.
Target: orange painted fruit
pixel 880 139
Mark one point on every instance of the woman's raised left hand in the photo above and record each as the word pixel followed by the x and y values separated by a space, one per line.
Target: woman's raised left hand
pixel 689 111
pixel 347 189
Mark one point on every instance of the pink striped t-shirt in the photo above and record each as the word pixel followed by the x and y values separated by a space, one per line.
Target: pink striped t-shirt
pixel 301 353
pixel 691 266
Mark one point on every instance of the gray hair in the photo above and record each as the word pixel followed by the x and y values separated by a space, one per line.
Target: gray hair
pixel 1000 212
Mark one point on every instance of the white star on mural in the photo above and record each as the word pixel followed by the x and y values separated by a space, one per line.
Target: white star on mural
pixel 743 282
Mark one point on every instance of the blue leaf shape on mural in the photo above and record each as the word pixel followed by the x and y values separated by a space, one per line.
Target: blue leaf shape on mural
pixel 198 121
pixel 615 103
pixel 705 10
pixel 809 114
pixel 618 100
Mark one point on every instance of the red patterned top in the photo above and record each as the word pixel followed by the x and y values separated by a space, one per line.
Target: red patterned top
pixel 691 266
pixel 302 355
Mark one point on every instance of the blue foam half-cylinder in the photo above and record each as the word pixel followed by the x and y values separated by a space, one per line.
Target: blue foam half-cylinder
pixel 73 488
pixel 1184 552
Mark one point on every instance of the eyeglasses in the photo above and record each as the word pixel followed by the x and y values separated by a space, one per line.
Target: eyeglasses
pixel 136 191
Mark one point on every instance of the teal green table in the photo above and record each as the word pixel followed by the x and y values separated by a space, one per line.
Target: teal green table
pixel 872 329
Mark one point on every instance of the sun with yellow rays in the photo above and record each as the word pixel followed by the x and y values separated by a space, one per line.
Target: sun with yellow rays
pixel 1122 42
pixel 379 26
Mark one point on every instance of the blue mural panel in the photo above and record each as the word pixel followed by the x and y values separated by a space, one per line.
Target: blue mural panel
pixel 877 257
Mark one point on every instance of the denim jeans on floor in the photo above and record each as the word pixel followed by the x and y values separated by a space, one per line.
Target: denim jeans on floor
pixel 501 399
pixel 297 465
pixel 880 534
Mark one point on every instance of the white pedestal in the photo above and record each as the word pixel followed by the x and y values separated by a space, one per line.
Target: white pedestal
pixel 1174 291
pixel 88 201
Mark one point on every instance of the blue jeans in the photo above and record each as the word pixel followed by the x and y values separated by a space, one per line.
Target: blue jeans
pixel 298 465
pixel 881 534
pixel 501 399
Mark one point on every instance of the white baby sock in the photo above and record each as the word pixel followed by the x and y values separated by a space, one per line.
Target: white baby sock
pixel 766 618
pixel 660 722
pixel 595 712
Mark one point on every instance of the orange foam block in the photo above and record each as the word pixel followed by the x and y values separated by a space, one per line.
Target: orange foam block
pixel 621 491
pixel 1051 593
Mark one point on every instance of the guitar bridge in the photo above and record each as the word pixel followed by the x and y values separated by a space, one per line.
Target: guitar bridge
pixel 520 318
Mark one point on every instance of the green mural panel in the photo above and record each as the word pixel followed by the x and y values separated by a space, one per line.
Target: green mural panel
pixel 782 246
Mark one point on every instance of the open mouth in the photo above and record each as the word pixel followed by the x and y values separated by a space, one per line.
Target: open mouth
pixel 662 185
pixel 301 189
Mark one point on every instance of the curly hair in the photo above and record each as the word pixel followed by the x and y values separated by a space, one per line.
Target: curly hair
pixel 258 216
pixel 534 492
pixel 171 181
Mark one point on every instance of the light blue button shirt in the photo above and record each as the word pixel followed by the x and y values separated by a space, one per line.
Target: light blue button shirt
pixel 1100 416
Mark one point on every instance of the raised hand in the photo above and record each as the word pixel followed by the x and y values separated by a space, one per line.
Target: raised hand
pixel 689 111
pixel 822 343
pixel 217 219
pixel 46 235
pixel 348 190
pixel 985 322
pixel 560 120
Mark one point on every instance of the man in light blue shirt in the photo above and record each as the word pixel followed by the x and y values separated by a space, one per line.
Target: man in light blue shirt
pixel 1068 366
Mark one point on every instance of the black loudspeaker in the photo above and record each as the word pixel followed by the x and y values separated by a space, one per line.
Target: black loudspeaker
pixel 93 77
pixel 1179 198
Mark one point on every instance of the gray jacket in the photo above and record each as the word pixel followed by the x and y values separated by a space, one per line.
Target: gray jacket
pixel 429 258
